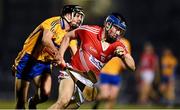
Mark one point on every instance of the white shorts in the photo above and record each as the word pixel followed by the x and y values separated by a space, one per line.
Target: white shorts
pixel 85 81
pixel 147 76
pixel 78 94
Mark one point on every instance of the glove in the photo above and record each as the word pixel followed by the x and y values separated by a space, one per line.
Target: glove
pixel 120 52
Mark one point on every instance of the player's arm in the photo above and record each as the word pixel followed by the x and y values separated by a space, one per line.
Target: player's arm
pixel 74 49
pixel 48 44
pixel 64 45
pixel 129 62
pixel 126 58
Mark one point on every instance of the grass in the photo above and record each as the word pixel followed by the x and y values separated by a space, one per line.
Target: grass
pixel 10 105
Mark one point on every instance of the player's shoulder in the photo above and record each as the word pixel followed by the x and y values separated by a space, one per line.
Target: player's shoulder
pixel 91 28
pixel 124 40
pixel 118 43
pixel 54 19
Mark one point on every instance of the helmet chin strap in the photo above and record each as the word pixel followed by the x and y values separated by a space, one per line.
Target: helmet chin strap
pixel 65 18
pixel 108 27
pixel 69 23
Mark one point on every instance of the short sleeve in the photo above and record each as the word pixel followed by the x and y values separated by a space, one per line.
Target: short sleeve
pixel 80 32
pixel 123 46
pixel 46 25
pixel 50 23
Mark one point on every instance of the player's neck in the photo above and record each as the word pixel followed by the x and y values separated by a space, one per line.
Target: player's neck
pixel 103 35
pixel 65 23
pixel 67 26
pixel 104 44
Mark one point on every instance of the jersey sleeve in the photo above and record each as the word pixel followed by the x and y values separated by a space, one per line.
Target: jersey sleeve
pixel 79 32
pixel 120 44
pixel 46 25
pixel 85 30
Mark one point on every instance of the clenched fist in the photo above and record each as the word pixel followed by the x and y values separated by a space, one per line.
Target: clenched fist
pixel 120 52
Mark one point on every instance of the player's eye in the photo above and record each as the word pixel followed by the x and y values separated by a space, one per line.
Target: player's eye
pixel 79 15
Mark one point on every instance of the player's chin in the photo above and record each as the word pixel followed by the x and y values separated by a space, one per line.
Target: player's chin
pixel 77 24
pixel 114 36
pixel 74 26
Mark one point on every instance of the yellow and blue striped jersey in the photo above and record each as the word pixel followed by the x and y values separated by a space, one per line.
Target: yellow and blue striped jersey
pixel 33 44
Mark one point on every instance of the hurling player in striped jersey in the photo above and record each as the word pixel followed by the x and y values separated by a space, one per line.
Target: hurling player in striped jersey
pixel 98 45
pixel 34 62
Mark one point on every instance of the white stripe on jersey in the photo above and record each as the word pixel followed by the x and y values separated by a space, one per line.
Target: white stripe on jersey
pixel 90 29
pixel 82 59
pixel 87 26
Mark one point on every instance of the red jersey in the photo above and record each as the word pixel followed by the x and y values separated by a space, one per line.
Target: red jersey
pixel 148 62
pixel 91 55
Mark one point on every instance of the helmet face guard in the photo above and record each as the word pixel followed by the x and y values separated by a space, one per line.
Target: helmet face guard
pixel 74 15
pixel 73 9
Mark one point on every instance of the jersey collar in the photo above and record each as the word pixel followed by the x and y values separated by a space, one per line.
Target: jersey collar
pixel 62 23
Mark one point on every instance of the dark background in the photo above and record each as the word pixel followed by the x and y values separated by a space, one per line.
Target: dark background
pixel 157 21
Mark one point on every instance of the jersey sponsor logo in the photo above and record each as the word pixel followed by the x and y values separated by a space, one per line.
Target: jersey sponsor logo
pixel 98 64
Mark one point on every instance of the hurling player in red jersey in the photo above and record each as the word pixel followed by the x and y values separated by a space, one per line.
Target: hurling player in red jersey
pixel 98 45
pixel 147 69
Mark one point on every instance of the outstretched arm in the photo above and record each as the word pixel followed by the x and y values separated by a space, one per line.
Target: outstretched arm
pixel 64 46
pixel 129 62
pixel 126 58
